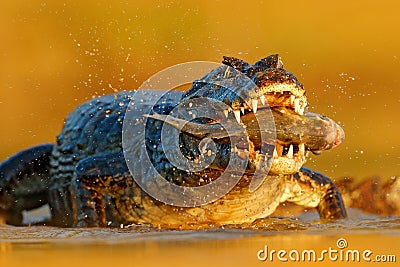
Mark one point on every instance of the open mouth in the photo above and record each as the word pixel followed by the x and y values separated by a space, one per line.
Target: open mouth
pixel 285 137
pixel 287 157
pixel 279 95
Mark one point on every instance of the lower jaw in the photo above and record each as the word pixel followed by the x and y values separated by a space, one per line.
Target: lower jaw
pixel 285 166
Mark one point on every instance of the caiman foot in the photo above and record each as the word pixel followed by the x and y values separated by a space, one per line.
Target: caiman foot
pixel 96 177
pixel 312 189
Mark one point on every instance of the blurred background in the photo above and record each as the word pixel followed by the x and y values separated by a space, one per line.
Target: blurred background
pixel 54 55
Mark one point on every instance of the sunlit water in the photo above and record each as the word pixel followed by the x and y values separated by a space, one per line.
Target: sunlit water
pixel 232 246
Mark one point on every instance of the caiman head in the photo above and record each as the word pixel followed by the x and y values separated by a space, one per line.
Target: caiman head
pixel 265 102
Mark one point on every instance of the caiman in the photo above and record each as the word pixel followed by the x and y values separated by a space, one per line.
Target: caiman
pixel 86 181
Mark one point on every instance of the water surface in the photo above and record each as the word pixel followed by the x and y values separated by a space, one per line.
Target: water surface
pixel 146 246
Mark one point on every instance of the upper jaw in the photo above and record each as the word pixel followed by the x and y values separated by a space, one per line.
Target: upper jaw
pixel 272 84
pixel 284 95
pixel 250 90
pixel 281 88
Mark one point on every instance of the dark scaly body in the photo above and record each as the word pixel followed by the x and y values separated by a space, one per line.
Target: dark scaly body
pixel 87 182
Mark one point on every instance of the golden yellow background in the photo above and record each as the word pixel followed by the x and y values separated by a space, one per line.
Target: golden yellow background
pixel 55 55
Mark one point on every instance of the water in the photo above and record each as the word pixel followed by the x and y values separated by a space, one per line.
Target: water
pixel 235 246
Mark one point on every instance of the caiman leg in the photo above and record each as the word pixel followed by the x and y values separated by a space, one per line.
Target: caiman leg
pixel 96 177
pixel 24 182
pixel 312 189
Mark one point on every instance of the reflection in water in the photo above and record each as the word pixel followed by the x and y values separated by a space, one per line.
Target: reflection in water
pixel 146 246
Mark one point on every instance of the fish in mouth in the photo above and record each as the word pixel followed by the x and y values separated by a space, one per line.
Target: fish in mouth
pixel 254 115
pixel 269 104
pixel 262 98
pixel 296 135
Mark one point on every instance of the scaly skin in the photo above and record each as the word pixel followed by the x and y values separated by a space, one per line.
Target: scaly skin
pixel 87 183
pixel 373 195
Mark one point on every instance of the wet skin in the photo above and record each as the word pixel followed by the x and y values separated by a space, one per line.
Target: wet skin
pixel 86 182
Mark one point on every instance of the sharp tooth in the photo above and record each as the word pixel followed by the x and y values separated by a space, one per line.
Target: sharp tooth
pixel 254 103
pixel 226 113
pixel 262 98
pixel 237 115
pixel 290 152
pixel 302 149
pixel 275 154
pixel 242 110
pixel 292 98
pixel 296 102
pixel 301 111
pixel 296 105
pixel 226 73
